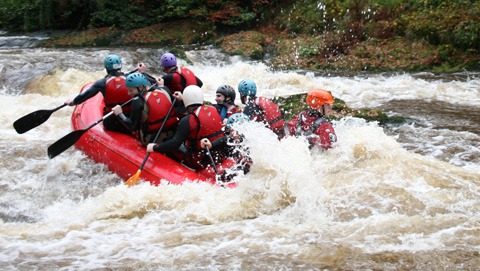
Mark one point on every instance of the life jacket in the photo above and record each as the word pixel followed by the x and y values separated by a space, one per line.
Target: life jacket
pixel 318 130
pixel 157 105
pixel 205 122
pixel 228 110
pixel 271 116
pixel 116 93
pixel 185 73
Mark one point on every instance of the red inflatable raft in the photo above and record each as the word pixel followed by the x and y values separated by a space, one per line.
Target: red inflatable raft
pixel 123 154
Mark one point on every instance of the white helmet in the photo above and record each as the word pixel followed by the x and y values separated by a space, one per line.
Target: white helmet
pixel 192 95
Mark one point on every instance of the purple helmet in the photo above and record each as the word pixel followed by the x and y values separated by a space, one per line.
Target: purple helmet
pixel 168 60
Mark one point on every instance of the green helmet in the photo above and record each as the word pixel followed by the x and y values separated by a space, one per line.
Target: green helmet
pixel 247 88
pixel 112 62
pixel 136 79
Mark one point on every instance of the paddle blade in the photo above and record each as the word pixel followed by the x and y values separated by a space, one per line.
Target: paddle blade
pixel 134 179
pixel 64 143
pixel 32 120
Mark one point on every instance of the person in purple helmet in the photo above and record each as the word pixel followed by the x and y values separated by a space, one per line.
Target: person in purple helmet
pixel 176 78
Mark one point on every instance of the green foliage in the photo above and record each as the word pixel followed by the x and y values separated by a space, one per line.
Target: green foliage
pixel 31 15
pixel 311 16
pixel 445 22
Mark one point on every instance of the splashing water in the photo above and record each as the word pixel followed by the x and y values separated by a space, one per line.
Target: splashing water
pixel 369 203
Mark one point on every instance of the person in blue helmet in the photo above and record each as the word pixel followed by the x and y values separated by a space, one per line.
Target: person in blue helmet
pixel 150 109
pixel 114 92
pixel 261 109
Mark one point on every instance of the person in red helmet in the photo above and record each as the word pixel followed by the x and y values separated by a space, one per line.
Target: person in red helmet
pixel 313 123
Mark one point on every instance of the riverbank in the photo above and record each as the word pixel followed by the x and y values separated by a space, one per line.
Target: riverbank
pixel 283 50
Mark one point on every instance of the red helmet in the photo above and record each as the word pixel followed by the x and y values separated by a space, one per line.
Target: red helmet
pixel 318 97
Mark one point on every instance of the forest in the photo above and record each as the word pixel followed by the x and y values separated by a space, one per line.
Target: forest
pixel 437 32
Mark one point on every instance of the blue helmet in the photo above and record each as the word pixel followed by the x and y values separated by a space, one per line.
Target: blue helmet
pixel 247 88
pixel 136 79
pixel 112 62
pixel 237 118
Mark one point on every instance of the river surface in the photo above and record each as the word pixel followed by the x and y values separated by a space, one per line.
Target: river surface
pixel 399 197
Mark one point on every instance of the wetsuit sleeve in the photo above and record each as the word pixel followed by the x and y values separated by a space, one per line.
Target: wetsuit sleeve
pixel 199 82
pixel 98 86
pixel 133 122
pixel 167 79
pixel 177 140
pixel 220 142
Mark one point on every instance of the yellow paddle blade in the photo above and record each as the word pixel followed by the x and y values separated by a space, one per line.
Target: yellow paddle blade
pixel 134 179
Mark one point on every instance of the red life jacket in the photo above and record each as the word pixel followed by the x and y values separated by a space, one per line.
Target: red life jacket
pixel 157 104
pixel 116 93
pixel 271 116
pixel 182 72
pixel 318 130
pixel 226 110
pixel 205 122
pixel 232 109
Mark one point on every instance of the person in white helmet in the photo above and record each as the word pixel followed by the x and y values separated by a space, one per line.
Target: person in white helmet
pixel 201 121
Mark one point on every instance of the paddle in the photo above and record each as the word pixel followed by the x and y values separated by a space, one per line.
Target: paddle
pixel 34 119
pixel 134 179
pixel 67 141
pixel 213 163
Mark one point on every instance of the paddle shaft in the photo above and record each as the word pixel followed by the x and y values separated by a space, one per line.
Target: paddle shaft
pixel 67 141
pixel 211 159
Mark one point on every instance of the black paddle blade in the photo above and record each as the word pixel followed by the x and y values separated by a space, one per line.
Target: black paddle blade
pixel 32 120
pixel 64 143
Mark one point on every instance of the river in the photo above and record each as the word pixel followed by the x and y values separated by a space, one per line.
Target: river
pixel 395 197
